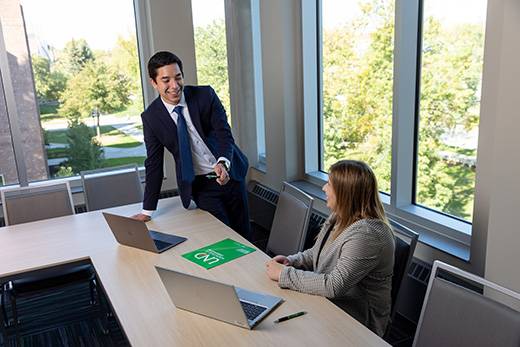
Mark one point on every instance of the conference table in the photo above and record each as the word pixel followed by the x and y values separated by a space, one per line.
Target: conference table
pixel 139 299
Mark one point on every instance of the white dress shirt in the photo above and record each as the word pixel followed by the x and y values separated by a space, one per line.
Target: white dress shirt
pixel 203 160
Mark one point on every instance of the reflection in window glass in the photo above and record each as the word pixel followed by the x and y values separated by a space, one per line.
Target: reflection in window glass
pixel 357 74
pixel 451 76
pixel 87 82
pixel 210 48
pixel 8 171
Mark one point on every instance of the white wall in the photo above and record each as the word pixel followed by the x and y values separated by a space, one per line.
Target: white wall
pixel 503 92
pixel 283 92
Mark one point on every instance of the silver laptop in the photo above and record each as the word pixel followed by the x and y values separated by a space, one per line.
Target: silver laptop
pixel 217 300
pixel 134 233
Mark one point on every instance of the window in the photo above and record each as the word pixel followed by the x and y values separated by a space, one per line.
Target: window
pixel 356 70
pixel 449 104
pixel 8 170
pixel 210 48
pixel 399 87
pixel 79 89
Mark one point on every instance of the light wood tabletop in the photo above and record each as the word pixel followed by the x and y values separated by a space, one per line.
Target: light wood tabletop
pixel 139 299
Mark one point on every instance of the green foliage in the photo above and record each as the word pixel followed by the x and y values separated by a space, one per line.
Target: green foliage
pixel 64 171
pixel 49 84
pixel 124 58
pixel 96 87
pixel 358 95
pixel 211 56
pixel 75 55
pixel 84 150
pixel 357 92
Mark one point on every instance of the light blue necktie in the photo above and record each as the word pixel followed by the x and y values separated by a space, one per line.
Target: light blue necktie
pixel 187 173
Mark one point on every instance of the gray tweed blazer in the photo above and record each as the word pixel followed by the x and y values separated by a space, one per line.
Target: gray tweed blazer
pixel 354 271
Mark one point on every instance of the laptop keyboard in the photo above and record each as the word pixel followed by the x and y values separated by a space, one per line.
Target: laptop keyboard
pixel 251 310
pixel 161 244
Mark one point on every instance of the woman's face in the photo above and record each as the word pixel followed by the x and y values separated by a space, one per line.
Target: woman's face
pixel 331 195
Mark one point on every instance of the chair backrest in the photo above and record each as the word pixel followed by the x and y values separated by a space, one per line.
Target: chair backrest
pixel 290 222
pixel 110 187
pixel 405 242
pixel 456 316
pixel 29 204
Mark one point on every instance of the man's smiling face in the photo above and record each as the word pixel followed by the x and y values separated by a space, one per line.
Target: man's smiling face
pixel 169 83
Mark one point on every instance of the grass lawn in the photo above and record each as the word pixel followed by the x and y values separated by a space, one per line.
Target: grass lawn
pixel 123 161
pixel 57 136
pixel 111 137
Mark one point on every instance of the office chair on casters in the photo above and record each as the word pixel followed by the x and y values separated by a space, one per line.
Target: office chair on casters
pixel 290 222
pixel 28 204
pixel 453 315
pixel 112 186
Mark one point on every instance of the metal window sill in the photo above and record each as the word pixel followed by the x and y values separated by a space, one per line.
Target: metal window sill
pixel 439 231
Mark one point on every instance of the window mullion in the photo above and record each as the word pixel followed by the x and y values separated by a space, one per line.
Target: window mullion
pixel 404 101
pixel 311 89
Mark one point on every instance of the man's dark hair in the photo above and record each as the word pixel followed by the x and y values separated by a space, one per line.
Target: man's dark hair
pixel 161 59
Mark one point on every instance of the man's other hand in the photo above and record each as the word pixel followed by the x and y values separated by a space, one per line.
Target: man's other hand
pixel 142 217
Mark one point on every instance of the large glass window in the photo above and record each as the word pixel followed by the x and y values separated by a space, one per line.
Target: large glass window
pixel 87 81
pixel 357 74
pixel 449 104
pixel 8 170
pixel 211 49
pixel 422 140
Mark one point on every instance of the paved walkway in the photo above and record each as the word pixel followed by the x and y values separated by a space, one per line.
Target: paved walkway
pixel 127 125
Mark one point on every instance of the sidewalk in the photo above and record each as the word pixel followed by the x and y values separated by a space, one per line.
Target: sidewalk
pixel 127 125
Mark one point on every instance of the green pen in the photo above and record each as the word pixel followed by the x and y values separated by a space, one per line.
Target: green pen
pixel 291 316
pixel 212 175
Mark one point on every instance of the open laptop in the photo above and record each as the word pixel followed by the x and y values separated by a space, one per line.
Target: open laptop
pixel 217 300
pixel 134 233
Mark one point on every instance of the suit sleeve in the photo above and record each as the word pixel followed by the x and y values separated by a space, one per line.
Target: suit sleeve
pixel 220 127
pixel 153 165
pixel 359 255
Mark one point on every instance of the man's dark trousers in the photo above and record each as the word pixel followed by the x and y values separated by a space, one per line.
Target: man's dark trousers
pixel 228 203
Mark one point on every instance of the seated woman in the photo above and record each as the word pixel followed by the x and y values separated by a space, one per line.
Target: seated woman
pixel 352 260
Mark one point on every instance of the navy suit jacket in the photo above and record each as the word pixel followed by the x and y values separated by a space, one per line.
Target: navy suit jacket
pixel 209 118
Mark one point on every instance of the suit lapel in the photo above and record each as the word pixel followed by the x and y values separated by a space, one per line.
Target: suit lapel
pixel 165 118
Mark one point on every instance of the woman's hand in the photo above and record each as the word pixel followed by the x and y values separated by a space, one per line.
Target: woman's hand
pixel 274 269
pixel 282 259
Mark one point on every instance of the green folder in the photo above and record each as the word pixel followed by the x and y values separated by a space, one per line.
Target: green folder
pixel 218 253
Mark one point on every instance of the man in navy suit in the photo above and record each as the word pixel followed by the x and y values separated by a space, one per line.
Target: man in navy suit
pixel 190 122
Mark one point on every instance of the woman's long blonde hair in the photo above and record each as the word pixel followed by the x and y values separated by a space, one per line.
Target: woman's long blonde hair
pixel 357 195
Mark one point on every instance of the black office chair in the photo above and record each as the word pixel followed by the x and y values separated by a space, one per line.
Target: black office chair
pixel 290 222
pixel 405 242
pixel 28 204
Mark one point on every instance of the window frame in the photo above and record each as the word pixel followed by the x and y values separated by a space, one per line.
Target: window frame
pixel 437 229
